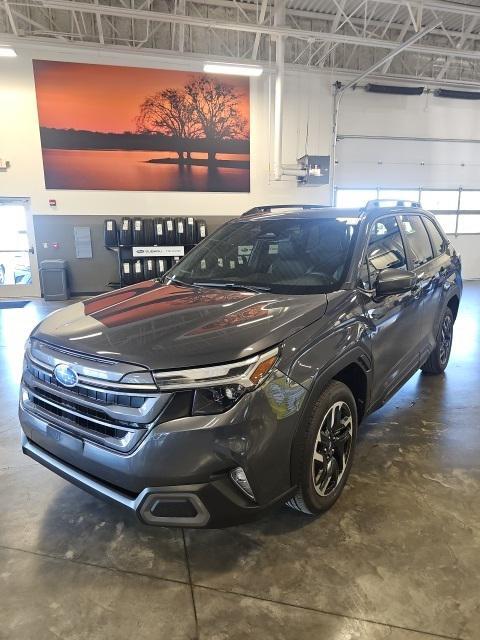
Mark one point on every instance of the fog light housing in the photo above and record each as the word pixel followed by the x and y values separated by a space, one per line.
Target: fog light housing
pixel 239 478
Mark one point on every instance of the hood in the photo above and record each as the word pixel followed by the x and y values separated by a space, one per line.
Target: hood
pixel 170 326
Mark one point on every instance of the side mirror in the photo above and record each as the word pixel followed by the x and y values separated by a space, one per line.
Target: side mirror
pixel 391 281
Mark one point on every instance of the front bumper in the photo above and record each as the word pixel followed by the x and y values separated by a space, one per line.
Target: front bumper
pixel 212 504
pixel 179 474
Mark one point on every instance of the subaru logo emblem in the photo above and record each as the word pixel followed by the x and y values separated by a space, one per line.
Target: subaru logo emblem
pixel 65 375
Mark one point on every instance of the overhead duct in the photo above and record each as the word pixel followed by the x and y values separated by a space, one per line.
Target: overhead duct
pixel 394 89
pixel 459 95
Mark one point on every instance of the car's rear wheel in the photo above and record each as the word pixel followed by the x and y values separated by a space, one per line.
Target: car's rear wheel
pixel 325 450
pixel 438 359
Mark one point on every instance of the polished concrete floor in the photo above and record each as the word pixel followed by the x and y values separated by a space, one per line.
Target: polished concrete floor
pixel 398 557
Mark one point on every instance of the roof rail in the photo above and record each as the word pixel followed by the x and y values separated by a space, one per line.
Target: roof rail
pixel 266 208
pixel 390 204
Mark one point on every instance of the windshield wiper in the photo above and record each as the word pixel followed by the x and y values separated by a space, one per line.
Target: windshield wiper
pixel 232 285
pixel 176 281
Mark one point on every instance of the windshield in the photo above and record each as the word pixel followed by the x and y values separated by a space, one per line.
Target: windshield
pixel 283 255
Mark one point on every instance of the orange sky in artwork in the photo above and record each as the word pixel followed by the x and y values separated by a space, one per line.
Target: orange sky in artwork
pixel 106 98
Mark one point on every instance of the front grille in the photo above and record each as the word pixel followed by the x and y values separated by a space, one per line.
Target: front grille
pixel 103 397
pixel 118 420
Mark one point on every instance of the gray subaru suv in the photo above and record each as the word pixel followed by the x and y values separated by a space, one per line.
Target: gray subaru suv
pixel 238 380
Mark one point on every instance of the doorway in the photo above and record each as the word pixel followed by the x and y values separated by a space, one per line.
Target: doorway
pixel 18 265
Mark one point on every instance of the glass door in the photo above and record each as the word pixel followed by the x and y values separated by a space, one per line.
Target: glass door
pixel 18 266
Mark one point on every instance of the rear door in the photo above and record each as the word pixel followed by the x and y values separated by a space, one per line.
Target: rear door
pixel 392 319
pixel 431 263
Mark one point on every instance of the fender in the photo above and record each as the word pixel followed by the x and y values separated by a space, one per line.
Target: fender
pixel 356 355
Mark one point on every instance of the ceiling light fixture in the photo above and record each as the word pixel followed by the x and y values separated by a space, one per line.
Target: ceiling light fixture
pixel 232 69
pixel 7 52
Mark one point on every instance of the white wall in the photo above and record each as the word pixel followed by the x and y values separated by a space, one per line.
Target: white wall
pixel 408 163
pixel 20 144
pixel 307 100
pixel 394 163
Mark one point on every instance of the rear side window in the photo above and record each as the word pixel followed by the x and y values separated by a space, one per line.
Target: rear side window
pixel 385 250
pixel 438 243
pixel 418 240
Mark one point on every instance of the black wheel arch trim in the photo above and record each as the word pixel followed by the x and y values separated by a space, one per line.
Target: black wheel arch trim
pixel 454 293
pixel 357 356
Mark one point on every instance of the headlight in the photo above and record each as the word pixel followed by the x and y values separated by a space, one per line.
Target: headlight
pixel 210 400
pixel 219 387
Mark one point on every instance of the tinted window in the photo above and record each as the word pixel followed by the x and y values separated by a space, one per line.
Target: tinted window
pixel 438 242
pixel 284 255
pixel 385 250
pixel 418 240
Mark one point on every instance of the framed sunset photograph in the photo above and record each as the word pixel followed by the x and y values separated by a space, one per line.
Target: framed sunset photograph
pixel 116 128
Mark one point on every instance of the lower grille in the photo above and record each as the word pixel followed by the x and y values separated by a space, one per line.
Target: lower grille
pixel 101 429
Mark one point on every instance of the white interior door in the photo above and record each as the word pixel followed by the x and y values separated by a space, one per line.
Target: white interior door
pixel 18 264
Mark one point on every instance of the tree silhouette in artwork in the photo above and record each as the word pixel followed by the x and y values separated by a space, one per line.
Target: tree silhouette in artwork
pixel 170 113
pixel 216 109
pixel 206 108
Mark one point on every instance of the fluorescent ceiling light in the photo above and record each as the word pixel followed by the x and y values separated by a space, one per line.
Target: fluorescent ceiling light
pixel 232 69
pixel 7 52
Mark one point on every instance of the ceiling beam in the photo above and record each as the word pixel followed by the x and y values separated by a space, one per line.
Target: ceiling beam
pixel 40 27
pixel 272 31
pixel 465 36
pixel 10 17
pixel 261 20
pixel 311 15
pixel 98 18
pixel 165 58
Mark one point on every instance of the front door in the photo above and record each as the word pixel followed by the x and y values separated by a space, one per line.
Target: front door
pixel 392 319
pixel 18 265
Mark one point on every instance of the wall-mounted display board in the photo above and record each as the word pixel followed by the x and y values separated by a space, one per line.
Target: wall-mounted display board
pixel 132 129
pixel 83 242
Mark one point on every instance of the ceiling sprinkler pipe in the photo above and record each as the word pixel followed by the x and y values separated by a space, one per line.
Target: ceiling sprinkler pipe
pixel 279 20
pixel 278 113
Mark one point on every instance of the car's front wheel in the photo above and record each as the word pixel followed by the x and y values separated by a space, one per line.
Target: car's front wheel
pixel 438 359
pixel 326 450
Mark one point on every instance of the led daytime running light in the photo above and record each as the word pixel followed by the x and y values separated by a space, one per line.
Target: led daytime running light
pixel 249 373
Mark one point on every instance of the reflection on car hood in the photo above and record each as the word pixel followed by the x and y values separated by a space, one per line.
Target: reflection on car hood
pixel 170 326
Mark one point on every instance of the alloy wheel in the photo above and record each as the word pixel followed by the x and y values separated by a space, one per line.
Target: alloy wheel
pixel 332 448
pixel 446 339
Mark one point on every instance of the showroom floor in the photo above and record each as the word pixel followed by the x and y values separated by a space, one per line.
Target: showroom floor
pixel 398 557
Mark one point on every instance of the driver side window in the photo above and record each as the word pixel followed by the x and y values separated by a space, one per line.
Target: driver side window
pixel 385 251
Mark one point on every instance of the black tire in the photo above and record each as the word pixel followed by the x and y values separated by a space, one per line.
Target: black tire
pixel 438 359
pixel 316 493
